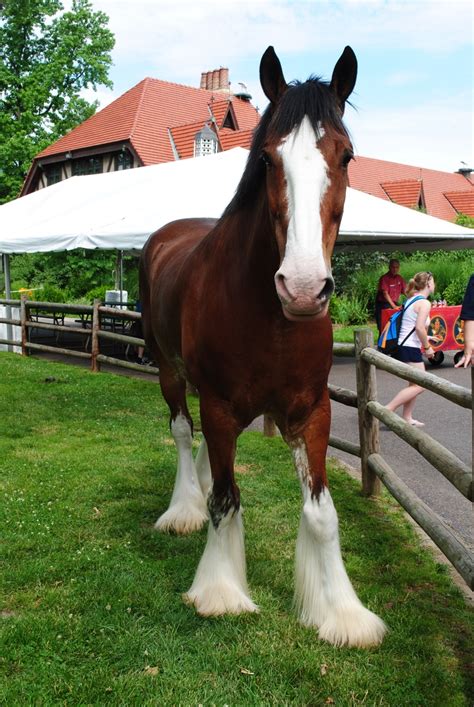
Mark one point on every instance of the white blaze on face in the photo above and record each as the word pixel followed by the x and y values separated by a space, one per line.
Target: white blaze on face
pixel 306 174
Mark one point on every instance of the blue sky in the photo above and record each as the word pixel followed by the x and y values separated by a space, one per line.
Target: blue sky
pixel 414 91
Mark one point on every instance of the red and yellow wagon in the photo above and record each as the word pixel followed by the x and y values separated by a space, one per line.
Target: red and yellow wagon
pixel 447 329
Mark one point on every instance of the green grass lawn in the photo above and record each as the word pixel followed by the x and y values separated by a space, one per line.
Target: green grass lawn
pixel 345 334
pixel 91 611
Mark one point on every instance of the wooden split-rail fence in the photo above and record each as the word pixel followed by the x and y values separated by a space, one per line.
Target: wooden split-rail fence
pixel 375 469
pixel 94 323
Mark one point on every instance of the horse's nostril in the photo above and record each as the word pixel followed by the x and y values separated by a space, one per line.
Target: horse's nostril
pixel 328 289
pixel 282 288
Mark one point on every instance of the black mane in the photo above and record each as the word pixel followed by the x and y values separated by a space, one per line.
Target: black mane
pixel 313 99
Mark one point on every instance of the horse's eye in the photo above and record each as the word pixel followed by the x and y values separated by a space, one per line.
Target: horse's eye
pixel 266 159
pixel 347 157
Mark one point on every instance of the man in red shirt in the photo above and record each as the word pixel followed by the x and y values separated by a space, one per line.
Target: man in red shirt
pixel 390 287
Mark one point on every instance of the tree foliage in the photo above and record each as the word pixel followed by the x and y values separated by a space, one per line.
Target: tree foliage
pixel 47 56
pixel 465 220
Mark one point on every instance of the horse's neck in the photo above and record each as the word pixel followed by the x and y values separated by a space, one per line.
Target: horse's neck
pixel 248 234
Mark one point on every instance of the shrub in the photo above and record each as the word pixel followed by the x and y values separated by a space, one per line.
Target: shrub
pixel 464 220
pixel 131 280
pixel 346 268
pixel 348 310
pixel 366 284
pixel 96 293
pixel 15 286
pixel 51 293
pixel 454 292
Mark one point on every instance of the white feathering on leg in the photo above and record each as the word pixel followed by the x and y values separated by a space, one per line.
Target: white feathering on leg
pixel 220 584
pixel 324 595
pixel 203 468
pixel 187 511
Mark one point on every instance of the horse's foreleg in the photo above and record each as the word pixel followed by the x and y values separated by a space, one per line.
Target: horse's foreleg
pixel 220 583
pixel 187 510
pixel 324 595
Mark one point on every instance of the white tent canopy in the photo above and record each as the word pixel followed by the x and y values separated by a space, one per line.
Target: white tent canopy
pixel 120 210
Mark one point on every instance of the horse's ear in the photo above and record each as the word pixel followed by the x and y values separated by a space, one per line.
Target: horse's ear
pixel 344 76
pixel 271 76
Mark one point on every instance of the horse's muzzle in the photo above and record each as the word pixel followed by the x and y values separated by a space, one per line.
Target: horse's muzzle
pixel 304 301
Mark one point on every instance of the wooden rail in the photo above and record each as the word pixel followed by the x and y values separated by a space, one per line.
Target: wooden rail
pixel 374 468
pixel 441 458
pixel 455 393
pixel 95 312
pixel 456 552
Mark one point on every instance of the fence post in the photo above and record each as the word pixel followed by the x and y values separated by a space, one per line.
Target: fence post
pixel 269 427
pixel 24 330
pixel 368 425
pixel 95 365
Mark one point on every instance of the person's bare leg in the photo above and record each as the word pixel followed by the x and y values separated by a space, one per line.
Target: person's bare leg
pixel 407 398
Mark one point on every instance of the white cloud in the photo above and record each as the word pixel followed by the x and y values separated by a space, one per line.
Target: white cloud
pixel 435 135
pixel 177 39
pixel 173 35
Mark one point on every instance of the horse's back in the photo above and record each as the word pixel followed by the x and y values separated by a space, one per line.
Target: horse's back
pixel 176 237
pixel 165 271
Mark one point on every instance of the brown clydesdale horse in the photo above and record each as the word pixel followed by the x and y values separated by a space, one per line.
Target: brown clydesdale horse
pixel 239 308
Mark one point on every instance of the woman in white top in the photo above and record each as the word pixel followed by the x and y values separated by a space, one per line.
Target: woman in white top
pixel 416 317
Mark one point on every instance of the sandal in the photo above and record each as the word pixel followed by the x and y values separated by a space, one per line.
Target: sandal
pixel 415 423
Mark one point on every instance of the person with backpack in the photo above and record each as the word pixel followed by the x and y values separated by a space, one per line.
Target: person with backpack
pixel 412 338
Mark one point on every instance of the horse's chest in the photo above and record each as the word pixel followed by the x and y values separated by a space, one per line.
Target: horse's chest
pixel 281 367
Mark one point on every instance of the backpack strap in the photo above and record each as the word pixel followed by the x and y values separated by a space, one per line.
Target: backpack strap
pixel 404 308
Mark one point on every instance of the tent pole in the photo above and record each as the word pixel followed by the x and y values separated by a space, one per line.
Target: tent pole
pixel 117 271
pixel 8 295
pixel 121 273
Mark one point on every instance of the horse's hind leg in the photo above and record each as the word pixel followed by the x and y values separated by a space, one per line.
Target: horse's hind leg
pixel 220 584
pixel 324 595
pixel 187 510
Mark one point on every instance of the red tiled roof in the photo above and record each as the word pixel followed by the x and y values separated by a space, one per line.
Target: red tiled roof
pixel 247 115
pixel 143 116
pixel 183 138
pixel 232 138
pixel 154 115
pixel 368 175
pixel 462 201
pixel 219 111
pixel 405 192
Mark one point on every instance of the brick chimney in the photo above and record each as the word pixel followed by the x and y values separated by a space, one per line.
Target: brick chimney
pixel 224 79
pixel 216 80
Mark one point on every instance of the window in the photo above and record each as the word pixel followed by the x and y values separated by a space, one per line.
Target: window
pixel 229 121
pixel 87 165
pixel 53 174
pixel 123 160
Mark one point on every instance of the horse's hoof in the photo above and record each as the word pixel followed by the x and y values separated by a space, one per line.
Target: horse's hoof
pixel 219 600
pixel 355 627
pixel 181 520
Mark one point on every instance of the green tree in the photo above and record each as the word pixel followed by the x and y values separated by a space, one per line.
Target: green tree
pixel 47 56
pixel 464 220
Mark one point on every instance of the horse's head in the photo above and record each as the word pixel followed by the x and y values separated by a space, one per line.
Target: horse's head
pixel 306 150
